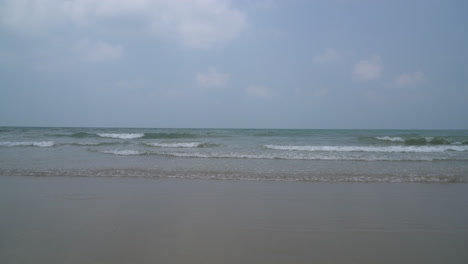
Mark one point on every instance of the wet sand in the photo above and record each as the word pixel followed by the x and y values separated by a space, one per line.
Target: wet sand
pixel 143 220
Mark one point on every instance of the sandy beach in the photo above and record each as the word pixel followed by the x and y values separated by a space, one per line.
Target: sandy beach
pixel 141 220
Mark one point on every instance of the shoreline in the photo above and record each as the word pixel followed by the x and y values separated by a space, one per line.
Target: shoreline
pixel 240 175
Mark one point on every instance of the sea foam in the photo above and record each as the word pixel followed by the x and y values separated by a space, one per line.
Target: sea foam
pixel 122 135
pixel 176 145
pixel 392 139
pixel 41 144
pixel 125 152
pixel 402 149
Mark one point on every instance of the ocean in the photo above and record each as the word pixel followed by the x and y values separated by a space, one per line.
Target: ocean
pixel 313 155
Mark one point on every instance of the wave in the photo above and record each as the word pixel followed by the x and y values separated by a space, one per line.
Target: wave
pixel 75 135
pixel 392 139
pixel 121 135
pixel 427 141
pixel 133 135
pixel 41 144
pixel 147 135
pixel 176 145
pixel 402 149
pixel 182 145
pixel 296 155
pixel 168 135
pixel 301 156
pixel 125 152
pixel 421 141
pixel 94 143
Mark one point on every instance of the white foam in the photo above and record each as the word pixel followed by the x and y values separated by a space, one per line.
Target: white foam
pixel 401 149
pixel 176 145
pixel 216 155
pixel 126 152
pixel 328 156
pixel 87 143
pixel 392 139
pixel 122 135
pixel 41 144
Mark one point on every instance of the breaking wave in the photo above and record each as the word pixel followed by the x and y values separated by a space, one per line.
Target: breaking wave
pixel 128 135
pixel 421 141
pixel 122 135
pixel 41 144
pixel 392 139
pixel 322 156
pixel 402 149
pixel 182 145
pixel 95 143
pixel 168 135
pixel 125 152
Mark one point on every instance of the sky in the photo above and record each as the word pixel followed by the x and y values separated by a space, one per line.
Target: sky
pixel 350 64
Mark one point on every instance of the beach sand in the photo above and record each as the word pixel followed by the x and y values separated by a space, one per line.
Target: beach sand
pixel 145 220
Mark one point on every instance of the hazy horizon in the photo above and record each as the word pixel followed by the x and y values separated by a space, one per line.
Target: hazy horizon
pixel 234 64
pixel 233 128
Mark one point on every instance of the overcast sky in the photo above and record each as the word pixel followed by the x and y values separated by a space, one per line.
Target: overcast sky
pixel 234 64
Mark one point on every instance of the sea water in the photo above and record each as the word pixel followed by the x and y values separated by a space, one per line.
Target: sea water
pixel 424 156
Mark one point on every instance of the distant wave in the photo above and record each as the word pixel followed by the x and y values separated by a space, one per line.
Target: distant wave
pixel 392 139
pixel 331 156
pixel 125 152
pixel 75 135
pixel 132 135
pixel 169 135
pixel 41 144
pixel 121 135
pixel 94 143
pixel 182 145
pixel 402 149
pixel 176 145
pixel 421 141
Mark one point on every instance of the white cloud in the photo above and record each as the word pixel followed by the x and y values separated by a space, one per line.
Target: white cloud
pixel 328 56
pixel 197 24
pixel 259 91
pixel 368 69
pixel 408 79
pixel 203 23
pixel 212 79
pixel 97 51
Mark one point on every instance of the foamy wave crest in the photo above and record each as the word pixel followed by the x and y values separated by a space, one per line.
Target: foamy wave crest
pixel 122 135
pixel 96 143
pixel 327 156
pixel 126 152
pixel 177 145
pixel 402 149
pixel 392 139
pixel 41 144
pixel 215 155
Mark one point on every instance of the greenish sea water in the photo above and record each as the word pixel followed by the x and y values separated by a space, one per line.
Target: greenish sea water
pixel 238 154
